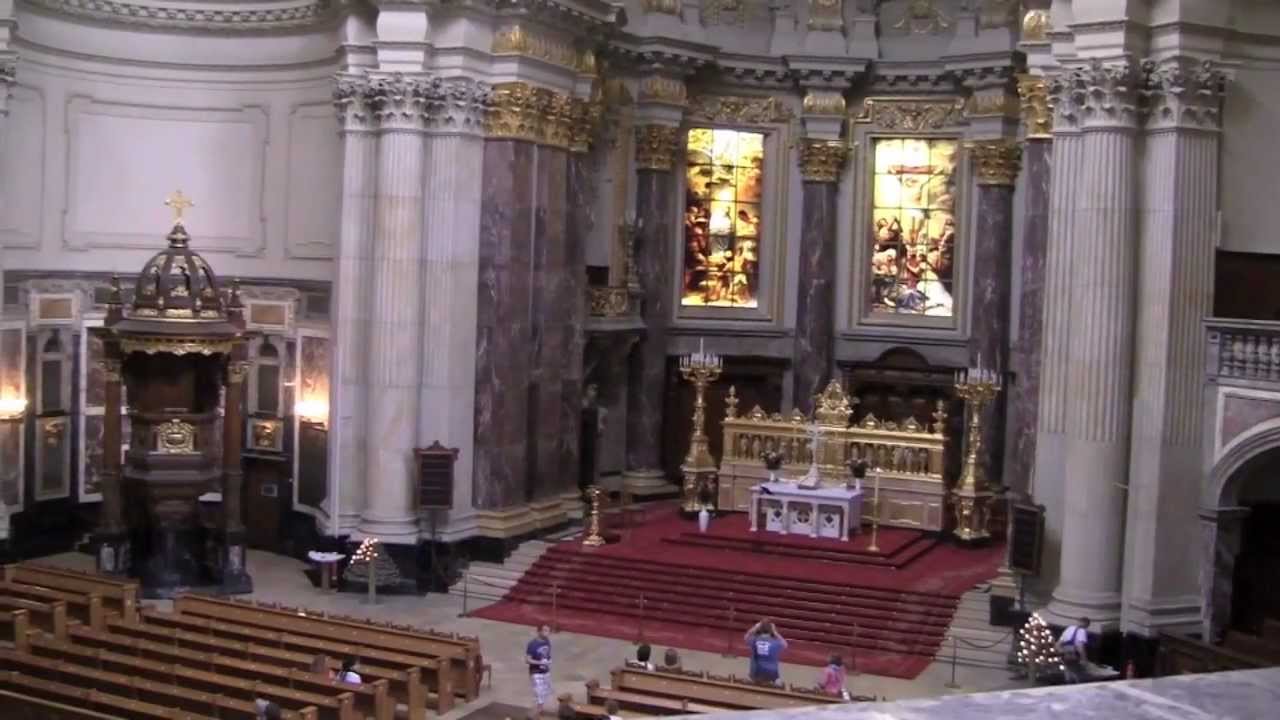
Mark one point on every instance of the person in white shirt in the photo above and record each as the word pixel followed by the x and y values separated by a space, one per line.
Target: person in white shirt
pixel 348 673
pixel 1073 647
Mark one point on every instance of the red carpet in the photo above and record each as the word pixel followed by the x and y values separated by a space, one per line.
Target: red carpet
pixel 701 592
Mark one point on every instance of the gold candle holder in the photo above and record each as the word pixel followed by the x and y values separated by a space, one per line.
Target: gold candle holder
pixel 701 369
pixel 594 538
pixel 875 518
pixel 970 498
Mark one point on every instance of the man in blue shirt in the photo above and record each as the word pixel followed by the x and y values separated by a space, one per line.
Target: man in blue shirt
pixel 765 644
pixel 537 654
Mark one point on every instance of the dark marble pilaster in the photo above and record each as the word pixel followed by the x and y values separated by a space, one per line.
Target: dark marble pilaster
pixel 503 326
pixel 580 221
pixel 1023 401
pixel 997 168
pixel 551 329
pixel 646 382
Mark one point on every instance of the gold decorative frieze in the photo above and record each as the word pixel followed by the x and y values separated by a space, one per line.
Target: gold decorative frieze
pixel 536 44
pixel 586 115
pixel 175 437
pixel 911 114
pixel 826 15
pixel 558 124
pixel 175 345
pixel 664 7
pixel 1037 115
pixel 735 110
pixel 996 162
pixel 663 90
pixel 656 147
pixel 609 302
pixel 520 111
pixel 823 160
pixel 1035 26
pixel 993 104
pixel 824 102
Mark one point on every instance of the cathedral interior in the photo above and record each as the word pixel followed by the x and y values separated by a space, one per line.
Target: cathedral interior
pixel 290 275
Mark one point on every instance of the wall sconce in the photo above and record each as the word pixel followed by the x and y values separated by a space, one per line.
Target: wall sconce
pixel 312 411
pixel 12 407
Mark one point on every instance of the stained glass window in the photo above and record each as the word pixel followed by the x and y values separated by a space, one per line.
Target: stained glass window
pixel 913 230
pixel 722 218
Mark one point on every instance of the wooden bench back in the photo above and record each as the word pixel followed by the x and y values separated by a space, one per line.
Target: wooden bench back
pixel 146 690
pixel 407 681
pixel 335 706
pixel 48 616
pixel 55 695
pixel 719 691
pixel 17 626
pixel 462 656
pixel 87 609
pixel 119 595
pixel 23 707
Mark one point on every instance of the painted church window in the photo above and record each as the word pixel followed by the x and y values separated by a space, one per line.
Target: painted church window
pixel 725 175
pixel 913 231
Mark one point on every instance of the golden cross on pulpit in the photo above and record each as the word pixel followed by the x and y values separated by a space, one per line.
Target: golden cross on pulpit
pixel 178 202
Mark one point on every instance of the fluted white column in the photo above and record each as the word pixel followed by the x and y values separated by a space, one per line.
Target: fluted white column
pixel 1101 100
pixel 1179 207
pixel 450 273
pixel 349 312
pixel 395 312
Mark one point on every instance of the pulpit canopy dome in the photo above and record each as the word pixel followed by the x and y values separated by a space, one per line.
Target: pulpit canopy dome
pixel 177 283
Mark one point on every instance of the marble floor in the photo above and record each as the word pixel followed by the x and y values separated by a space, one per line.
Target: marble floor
pixel 578 658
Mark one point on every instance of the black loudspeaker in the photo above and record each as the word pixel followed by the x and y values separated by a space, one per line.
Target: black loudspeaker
pixel 1026 540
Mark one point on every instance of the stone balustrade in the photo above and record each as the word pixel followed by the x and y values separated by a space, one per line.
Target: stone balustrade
pixel 1243 350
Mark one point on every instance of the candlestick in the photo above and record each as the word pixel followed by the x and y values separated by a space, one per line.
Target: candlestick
pixel 971 498
pixel 699 466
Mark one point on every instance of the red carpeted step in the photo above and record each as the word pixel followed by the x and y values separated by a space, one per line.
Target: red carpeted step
pixel 896 557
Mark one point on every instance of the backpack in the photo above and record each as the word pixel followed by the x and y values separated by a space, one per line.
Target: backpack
pixel 1067 648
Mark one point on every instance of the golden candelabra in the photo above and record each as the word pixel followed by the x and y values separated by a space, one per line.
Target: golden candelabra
pixel 875 518
pixel 699 468
pixel 594 538
pixel 971 498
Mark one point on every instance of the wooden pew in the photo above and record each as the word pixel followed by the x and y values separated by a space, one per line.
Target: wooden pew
pixel 118 595
pixel 461 655
pixel 405 683
pixel 17 628
pixel 54 696
pixel 683 692
pixel 136 688
pixel 88 609
pixel 338 704
pixel 50 617
pixel 373 698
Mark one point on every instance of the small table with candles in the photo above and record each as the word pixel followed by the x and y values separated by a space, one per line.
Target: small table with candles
pixel 821 512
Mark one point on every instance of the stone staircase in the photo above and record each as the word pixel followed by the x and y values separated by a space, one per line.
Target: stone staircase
pixel 489 582
pixel 971 625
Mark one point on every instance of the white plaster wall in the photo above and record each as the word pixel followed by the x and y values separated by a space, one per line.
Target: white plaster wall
pixel 1250 158
pixel 106 121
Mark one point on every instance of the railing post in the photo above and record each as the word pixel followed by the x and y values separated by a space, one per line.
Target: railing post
pixel 728 646
pixel 466 590
pixel 555 607
pixel 640 625
pixel 955 650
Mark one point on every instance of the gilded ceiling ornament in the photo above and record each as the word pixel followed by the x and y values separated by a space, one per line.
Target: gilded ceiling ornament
pixel 826 15
pixel 1035 25
pixel 1037 116
pixel 663 90
pixel 739 110
pixel 665 7
pixel 656 147
pixel 823 160
pixel 996 162
pixel 922 17
pixel 997 14
pixel 536 44
pixel 586 62
pixel 911 114
pixel 824 102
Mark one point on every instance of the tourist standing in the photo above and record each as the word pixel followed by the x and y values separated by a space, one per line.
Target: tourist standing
pixel 1073 646
pixel 765 644
pixel 537 654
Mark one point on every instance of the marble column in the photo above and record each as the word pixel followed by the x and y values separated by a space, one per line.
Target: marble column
pixel 450 272
pixel 8 67
pixel 1221 535
pixel 552 335
pixel 580 200
pixel 395 311
pixel 1101 100
pixel 112 534
pixel 349 308
pixel 235 580
pixel 1179 206
pixel 996 165
pixel 503 334
pixel 821 163
pixel 656 147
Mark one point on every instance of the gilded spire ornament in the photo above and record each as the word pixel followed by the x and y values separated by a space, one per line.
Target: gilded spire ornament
pixel 823 160
pixel 179 204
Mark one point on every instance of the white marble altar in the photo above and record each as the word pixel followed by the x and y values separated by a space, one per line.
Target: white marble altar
pixel 820 512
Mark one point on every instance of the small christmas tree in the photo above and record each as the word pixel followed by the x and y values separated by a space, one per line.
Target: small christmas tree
pixel 1037 650
pixel 386 572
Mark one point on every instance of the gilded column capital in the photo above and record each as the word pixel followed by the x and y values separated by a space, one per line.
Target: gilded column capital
pixel 1037 115
pixel 110 370
pixel 1096 96
pixel 656 147
pixel 399 102
pixel 458 104
pixel 823 160
pixel 519 111
pixel 826 15
pixel 351 98
pixel 996 162
pixel 586 119
pixel 1183 93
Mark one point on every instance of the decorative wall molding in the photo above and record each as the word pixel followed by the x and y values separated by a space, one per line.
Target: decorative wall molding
pixel 739 110
pixel 993 14
pixel 663 90
pixel 23 167
pixel 313 193
pixel 538 44
pixel 280 14
pixel 826 15
pixel 911 114
pixel 1183 93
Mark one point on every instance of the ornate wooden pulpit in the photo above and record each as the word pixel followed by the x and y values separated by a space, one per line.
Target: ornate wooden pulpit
pixel 178 350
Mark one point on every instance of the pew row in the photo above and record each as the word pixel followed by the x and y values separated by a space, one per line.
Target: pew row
pixel 23 707
pixel 15 627
pixel 85 608
pixel 459 655
pixel 117 595
pixel 55 695
pixel 669 692
pixel 51 617
pixel 140 689
pixel 193 634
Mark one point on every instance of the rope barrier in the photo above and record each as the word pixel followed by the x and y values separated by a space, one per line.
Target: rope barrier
pixel 976 646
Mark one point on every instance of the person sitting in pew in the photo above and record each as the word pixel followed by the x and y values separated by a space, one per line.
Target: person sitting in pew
pixel 643 653
pixel 348 673
pixel 612 710
pixel 833 678
pixel 671 659
pixel 268 710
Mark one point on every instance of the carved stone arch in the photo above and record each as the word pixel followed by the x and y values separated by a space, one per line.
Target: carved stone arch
pixel 1223 487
